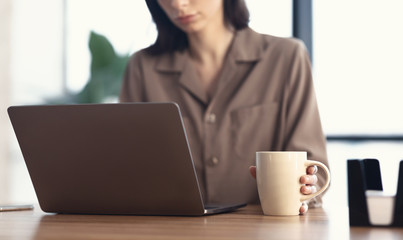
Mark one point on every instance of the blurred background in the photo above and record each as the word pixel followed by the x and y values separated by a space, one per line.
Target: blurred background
pixel 70 51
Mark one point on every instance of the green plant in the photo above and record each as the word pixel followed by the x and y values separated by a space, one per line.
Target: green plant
pixel 107 68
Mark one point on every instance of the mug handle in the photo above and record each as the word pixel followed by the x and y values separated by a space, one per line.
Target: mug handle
pixel 323 166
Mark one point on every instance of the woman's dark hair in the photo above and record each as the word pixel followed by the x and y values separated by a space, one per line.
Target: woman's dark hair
pixel 170 38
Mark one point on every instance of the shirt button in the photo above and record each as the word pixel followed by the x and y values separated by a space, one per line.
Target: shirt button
pixel 211 118
pixel 214 160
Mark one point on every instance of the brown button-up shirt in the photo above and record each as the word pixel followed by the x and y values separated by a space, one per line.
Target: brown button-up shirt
pixel 264 100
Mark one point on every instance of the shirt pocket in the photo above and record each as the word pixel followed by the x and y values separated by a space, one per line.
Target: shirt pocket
pixel 254 129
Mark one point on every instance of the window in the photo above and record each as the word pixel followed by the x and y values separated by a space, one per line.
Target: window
pixel 357 58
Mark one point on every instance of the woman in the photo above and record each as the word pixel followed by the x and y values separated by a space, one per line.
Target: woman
pixel 239 92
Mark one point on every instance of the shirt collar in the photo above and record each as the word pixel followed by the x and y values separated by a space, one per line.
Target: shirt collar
pixel 172 62
pixel 247 46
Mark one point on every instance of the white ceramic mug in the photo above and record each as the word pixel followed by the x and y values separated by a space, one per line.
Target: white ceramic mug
pixel 278 180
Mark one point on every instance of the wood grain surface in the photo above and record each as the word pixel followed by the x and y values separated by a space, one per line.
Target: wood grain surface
pixel 246 223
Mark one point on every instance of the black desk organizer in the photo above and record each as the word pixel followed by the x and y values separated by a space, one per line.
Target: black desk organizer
pixel 365 174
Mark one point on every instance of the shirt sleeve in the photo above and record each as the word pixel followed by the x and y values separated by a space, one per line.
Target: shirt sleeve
pixel 132 87
pixel 303 126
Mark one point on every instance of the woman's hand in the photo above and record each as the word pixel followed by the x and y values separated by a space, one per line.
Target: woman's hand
pixel 309 180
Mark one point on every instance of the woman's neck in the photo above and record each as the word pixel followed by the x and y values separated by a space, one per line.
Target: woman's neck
pixel 210 45
pixel 208 49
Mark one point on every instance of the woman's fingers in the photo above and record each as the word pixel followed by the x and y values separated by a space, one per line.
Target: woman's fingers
pixel 303 209
pixel 312 170
pixel 308 189
pixel 309 179
pixel 252 170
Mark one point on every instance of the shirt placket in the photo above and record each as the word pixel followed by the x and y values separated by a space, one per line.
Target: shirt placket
pixel 212 122
pixel 212 158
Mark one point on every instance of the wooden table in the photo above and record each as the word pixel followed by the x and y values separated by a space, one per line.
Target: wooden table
pixel 246 223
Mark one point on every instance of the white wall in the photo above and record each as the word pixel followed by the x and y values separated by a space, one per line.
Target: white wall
pixel 5 16
pixel 35 74
pixel 37 28
pixel 358 65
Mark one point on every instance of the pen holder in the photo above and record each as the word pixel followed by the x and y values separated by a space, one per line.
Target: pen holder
pixel 364 179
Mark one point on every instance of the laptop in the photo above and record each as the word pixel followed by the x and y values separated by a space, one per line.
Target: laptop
pixel 126 158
